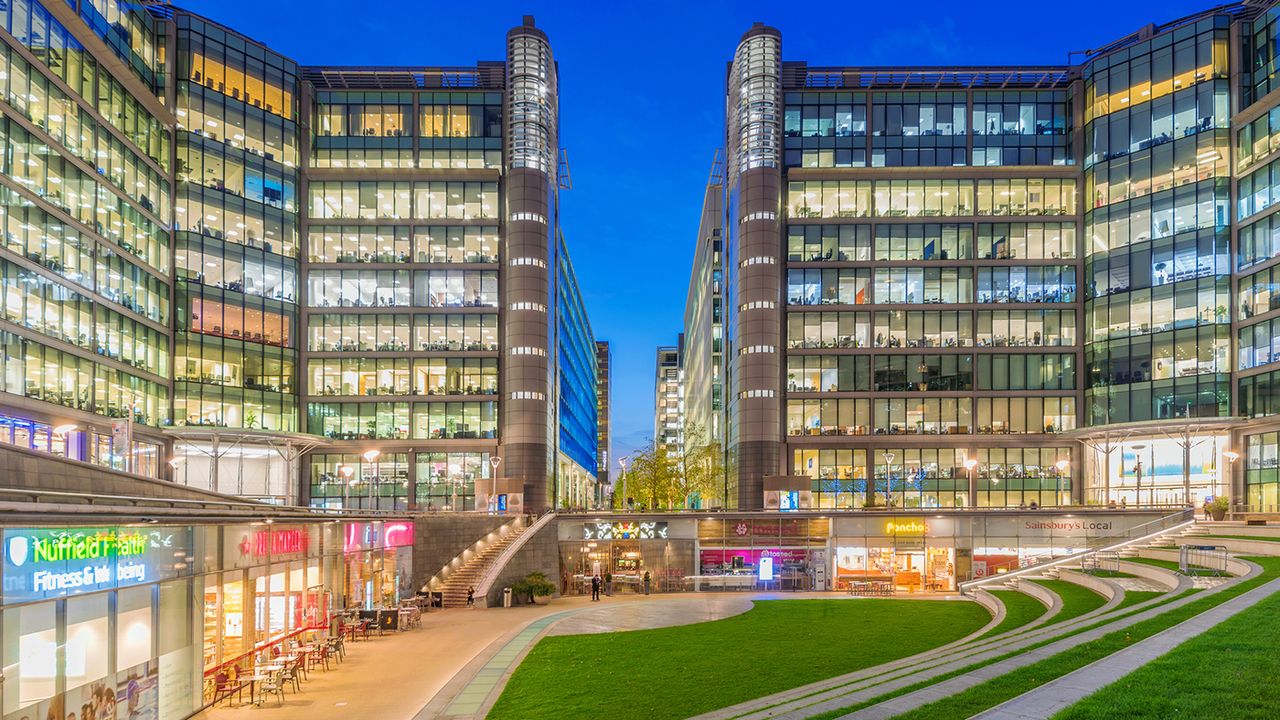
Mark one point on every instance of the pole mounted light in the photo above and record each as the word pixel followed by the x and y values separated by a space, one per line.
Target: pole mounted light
pixel 494 462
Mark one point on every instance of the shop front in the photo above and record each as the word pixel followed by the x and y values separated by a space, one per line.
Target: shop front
pixel 934 553
pixel 100 622
pixel 282 583
pixel 148 615
pixel 900 554
pixel 622 552
pixel 762 553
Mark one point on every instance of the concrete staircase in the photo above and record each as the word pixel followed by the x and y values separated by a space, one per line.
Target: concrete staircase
pixel 1164 540
pixel 473 569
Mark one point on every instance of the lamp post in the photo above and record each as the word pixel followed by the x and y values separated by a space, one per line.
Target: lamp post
pixel 371 457
pixel 969 465
pixel 1137 474
pixel 346 471
pixel 1062 466
pixel 494 462
pixel 622 466
pixel 888 477
pixel 1232 456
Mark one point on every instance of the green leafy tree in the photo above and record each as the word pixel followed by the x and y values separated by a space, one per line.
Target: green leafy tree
pixel 700 467
pixel 650 480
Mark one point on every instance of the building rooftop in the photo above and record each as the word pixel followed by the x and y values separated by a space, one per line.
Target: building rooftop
pixel 796 75
pixel 484 76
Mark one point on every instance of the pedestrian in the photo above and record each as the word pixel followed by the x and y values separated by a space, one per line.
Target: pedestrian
pixel 595 588
pixel 646 582
pixel 1207 514
pixel 471 596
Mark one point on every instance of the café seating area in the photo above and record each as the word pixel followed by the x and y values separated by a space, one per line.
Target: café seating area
pixel 262 677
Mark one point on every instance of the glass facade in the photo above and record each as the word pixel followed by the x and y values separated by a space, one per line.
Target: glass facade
pixel 236 228
pixel 577 471
pixel 853 376
pixel 1156 168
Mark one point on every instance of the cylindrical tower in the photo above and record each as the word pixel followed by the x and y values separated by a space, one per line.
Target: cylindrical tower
pixel 754 259
pixel 528 348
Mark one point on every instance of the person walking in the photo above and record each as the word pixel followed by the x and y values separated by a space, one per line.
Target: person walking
pixel 1207 513
pixel 646 582
pixel 595 588
pixel 471 596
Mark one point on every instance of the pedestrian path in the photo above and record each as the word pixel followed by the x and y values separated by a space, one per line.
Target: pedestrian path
pixel 1048 699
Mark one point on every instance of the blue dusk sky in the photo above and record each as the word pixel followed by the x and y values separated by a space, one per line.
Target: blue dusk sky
pixel 641 109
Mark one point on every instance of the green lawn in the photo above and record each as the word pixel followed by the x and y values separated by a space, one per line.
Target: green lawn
pixel 1019 609
pixel 680 671
pixel 1133 597
pixel 1109 574
pixel 1226 673
pixel 1243 537
pixel 1076 599
pixel 997 690
pixel 1166 564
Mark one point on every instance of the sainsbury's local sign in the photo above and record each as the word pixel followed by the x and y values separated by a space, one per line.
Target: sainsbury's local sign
pixel 43 563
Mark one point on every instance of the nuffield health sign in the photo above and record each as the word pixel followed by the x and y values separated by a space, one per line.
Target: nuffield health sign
pixel 50 562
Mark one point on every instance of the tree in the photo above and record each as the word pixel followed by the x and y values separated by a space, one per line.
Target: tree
pixel 700 466
pixel 651 479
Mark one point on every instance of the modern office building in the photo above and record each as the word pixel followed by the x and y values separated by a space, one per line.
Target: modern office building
pixel 604 399
pixel 668 400
pixel 328 285
pixel 702 359
pixel 960 287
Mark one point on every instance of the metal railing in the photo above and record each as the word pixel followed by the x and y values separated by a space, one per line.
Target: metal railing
pixel 438 580
pixel 881 510
pixel 106 502
pixel 1101 544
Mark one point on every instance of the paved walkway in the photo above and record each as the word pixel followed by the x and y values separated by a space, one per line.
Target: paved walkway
pixel 394 676
pixel 1048 699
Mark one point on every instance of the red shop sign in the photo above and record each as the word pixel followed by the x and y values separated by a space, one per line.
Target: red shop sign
pixel 275 542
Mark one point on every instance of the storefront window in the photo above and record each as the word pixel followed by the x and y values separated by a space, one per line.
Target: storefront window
pixel 30 657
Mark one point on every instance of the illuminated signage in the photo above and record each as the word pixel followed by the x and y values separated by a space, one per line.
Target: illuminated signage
pixel 625 531
pixel 905 527
pixel 40 563
pixel 766 568
pixel 374 535
pixel 275 542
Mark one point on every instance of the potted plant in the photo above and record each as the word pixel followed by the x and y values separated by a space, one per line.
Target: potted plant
pixel 1219 506
pixel 536 587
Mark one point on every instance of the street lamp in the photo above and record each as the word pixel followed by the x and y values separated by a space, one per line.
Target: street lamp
pixel 346 471
pixel 1062 466
pixel 494 461
pixel 1137 474
pixel 622 466
pixel 1232 456
pixel 888 477
pixel 969 465
pixel 371 456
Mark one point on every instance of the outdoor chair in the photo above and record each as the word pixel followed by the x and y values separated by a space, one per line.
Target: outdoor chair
pixel 274 685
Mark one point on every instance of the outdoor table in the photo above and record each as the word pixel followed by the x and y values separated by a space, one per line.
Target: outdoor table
pixel 253 681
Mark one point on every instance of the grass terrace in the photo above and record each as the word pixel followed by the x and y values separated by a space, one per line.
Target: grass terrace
pixel 681 671
pixel 1019 609
pixel 1006 687
pixel 1076 599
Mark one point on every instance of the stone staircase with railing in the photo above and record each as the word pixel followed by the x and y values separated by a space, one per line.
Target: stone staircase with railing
pixel 472 565
pixel 1164 540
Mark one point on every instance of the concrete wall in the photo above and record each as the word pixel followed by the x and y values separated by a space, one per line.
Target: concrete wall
pixel 440 537
pixel 541 551
pixel 31 470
